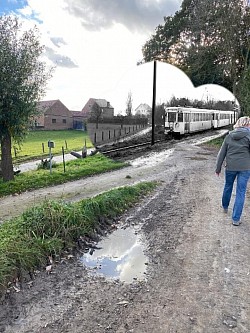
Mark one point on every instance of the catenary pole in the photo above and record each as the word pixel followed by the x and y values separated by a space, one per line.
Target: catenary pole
pixel 153 105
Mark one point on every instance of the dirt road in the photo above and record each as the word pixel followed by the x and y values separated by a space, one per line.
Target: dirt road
pixel 197 277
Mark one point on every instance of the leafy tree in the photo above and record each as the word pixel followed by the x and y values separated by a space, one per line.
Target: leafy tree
pixel 159 115
pixel 23 78
pixel 208 40
pixel 129 104
pixel 208 104
pixel 96 113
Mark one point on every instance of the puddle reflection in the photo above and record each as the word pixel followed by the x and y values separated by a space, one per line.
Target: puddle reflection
pixel 121 257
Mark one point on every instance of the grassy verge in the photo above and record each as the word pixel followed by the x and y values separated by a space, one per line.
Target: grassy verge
pixel 26 242
pixel 75 169
pixel 215 143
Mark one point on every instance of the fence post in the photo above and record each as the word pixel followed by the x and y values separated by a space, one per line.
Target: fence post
pixel 63 159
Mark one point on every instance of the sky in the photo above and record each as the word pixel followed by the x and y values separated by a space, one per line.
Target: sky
pixel 95 46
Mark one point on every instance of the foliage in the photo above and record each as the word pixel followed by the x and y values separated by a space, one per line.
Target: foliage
pixel 209 104
pixel 243 89
pixel 23 78
pixel 46 230
pixel 208 40
pixel 75 169
pixel 129 105
pixel 96 113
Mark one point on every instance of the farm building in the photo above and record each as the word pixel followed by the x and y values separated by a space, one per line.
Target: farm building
pixel 78 120
pixel 107 111
pixel 53 115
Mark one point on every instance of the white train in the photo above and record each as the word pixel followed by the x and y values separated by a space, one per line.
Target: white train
pixel 184 120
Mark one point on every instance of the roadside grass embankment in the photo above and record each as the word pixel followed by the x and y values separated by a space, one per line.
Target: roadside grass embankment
pixel 216 143
pixel 74 170
pixel 35 145
pixel 45 231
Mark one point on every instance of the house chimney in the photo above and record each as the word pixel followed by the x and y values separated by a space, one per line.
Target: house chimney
pixel 108 104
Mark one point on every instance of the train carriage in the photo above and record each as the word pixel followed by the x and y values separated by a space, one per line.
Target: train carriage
pixel 184 120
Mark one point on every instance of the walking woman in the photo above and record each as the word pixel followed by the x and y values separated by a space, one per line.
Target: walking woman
pixel 236 150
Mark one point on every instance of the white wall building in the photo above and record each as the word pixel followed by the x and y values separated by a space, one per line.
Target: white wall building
pixel 143 110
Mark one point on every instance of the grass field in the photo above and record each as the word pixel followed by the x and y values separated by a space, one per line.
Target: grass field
pixel 36 144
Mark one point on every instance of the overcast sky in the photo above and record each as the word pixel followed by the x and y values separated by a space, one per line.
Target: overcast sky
pixel 95 46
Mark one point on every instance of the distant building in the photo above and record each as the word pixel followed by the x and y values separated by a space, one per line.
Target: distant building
pixel 53 115
pixel 78 120
pixel 107 111
pixel 143 110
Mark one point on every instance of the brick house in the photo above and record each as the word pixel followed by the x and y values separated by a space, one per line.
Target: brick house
pixel 107 111
pixel 53 115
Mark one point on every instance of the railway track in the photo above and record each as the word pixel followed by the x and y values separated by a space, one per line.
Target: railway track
pixel 133 149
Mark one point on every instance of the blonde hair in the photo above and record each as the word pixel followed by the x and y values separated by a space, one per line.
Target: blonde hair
pixel 242 122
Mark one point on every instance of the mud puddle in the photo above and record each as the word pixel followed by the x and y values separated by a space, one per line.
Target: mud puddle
pixel 119 256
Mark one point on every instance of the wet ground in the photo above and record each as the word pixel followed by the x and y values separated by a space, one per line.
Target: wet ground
pixel 191 264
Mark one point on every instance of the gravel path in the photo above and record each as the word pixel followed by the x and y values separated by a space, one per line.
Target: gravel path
pixel 197 277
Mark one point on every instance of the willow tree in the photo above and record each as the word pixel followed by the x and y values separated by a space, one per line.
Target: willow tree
pixel 23 78
pixel 208 40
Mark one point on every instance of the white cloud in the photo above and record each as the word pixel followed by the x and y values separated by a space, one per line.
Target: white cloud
pixel 95 46
pixel 136 15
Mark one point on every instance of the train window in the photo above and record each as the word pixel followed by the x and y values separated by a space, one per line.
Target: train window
pixel 172 117
pixel 180 117
pixel 186 117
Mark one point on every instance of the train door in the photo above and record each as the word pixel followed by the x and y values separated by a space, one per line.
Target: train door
pixel 187 119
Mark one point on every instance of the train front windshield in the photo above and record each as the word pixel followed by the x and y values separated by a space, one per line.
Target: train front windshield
pixel 172 117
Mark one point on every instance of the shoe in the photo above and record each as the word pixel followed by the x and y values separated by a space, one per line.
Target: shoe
pixel 225 210
pixel 236 223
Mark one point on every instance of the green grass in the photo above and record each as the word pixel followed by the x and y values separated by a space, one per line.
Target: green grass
pixel 215 142
pixel 54 226
pixel 32 146
pixel 75 169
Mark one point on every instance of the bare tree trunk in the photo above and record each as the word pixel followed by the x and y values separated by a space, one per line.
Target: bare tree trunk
pixel 6 162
